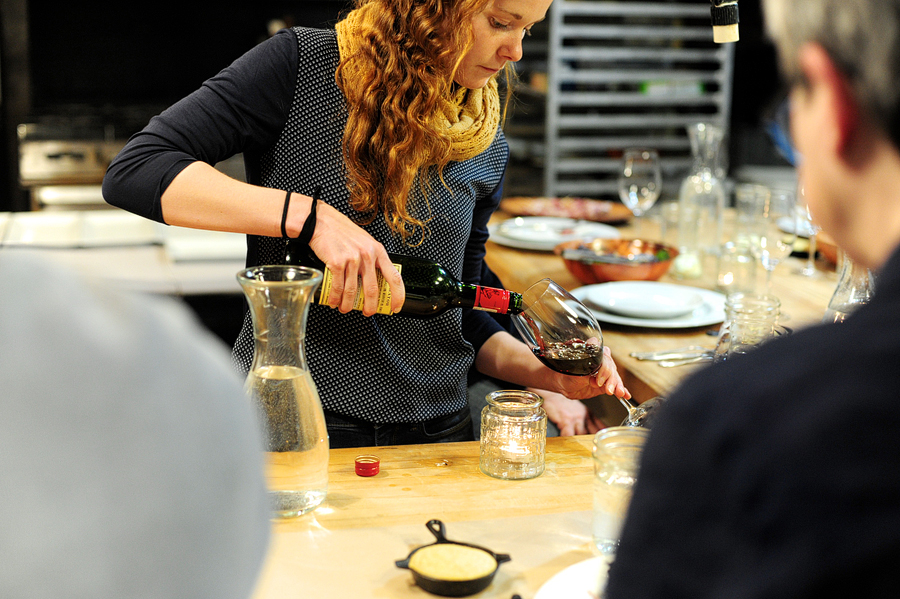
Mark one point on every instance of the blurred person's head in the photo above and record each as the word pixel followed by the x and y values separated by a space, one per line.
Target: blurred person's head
pixel 841 59
pixel 130 462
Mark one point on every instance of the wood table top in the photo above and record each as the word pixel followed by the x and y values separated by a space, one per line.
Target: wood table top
pixel 347 547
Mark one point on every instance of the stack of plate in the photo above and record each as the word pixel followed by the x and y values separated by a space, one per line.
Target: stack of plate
pixel 543 233
pixel 652 304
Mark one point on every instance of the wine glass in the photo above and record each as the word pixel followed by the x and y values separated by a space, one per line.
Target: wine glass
pixel 640 181
pixel 560 330
pixel 812 231
pixel 774 225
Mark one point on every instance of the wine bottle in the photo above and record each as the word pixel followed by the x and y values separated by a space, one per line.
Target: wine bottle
pixel 430 289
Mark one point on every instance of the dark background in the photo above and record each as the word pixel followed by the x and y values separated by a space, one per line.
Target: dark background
pixel 81 62
pixel 82 52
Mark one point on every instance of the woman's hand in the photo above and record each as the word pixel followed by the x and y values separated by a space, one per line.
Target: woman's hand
pixel 570 416
pixel 606 382
pixel 353 257
pixel 204 198
pixel 506 358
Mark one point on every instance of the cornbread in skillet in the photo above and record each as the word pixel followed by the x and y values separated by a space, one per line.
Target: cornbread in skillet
pixel 448 561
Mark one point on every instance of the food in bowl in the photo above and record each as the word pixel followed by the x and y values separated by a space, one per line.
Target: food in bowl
pixel 451 561
pixel 604 260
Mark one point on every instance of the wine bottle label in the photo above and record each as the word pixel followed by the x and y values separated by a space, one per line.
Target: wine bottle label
pixel 490 299
pixel 384 292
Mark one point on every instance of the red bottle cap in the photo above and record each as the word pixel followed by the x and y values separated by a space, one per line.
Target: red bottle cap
pixel 367 465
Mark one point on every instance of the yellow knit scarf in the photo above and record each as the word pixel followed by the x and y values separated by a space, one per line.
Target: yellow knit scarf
pixel 470 115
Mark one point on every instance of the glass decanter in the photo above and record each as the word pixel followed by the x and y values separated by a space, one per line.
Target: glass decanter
pixel 282 389
pixel 701 202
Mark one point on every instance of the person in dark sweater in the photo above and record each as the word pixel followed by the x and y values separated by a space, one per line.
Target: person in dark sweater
pixel 395 114
pixel 776 474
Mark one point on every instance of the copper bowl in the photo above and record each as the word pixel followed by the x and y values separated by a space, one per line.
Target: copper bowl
pixel 827 247
pixel 604 260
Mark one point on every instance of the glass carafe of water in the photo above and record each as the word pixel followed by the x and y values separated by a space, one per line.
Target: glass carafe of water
pixel 701 202
pixel 280 385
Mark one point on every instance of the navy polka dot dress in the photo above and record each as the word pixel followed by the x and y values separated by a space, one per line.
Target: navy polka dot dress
pixel 381 369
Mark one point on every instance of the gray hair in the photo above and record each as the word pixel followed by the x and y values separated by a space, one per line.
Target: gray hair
pixel 862 37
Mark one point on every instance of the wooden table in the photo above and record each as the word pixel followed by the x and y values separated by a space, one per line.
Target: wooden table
pixel 348 546
pixel 803 300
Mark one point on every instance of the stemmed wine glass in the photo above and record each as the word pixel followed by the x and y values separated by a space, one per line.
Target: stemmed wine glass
pixel 560 330
pixel 640 181
pixel 812 230
pixel 774 226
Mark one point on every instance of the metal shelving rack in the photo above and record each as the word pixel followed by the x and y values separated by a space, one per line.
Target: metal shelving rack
pixel 624 74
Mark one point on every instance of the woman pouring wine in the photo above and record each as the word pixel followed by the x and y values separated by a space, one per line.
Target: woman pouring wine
pixel 395 116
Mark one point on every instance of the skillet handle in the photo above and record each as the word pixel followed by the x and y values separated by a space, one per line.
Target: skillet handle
pixel 502 558
pixel 437 529
pixel 402 563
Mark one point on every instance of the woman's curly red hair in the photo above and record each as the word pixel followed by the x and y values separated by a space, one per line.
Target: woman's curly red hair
pixel 407 59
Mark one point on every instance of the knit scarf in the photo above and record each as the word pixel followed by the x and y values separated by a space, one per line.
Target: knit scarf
pixel 471 116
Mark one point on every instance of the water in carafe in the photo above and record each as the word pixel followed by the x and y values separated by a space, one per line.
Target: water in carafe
pixel 701 201
pixel 282 389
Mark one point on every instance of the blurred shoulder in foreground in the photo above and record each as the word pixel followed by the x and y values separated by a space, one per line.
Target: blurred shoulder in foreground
pixel 131 462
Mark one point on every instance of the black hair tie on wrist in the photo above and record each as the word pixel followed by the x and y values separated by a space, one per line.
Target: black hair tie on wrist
pixel 310 225
pixel 287 203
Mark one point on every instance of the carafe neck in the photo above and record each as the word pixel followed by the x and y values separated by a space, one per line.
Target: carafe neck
pixel 279 298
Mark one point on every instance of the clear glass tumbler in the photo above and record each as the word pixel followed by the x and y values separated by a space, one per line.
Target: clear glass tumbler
pixel 617 454
pixel 750 319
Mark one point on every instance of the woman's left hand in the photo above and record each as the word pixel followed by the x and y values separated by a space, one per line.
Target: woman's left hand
pixel 506 358
pixel 606 382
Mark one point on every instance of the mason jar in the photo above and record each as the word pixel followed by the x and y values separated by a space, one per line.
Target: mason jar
pixel 513 435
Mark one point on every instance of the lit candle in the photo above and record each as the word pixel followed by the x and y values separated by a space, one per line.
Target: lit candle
pixel 515 450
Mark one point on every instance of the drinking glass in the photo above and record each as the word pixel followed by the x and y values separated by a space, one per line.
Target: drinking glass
pixel 616 455
pixel 773 229
pixel 812 230
pixel 640 181
pixel 560 330
pixel 750 319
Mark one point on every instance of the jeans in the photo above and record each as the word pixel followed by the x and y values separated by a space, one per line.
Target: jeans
pixel 478 391
pixel 346 431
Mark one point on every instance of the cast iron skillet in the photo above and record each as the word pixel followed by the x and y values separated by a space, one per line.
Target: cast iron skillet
pixel 451 588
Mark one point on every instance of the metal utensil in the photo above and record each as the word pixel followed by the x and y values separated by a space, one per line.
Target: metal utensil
pixel 681 353
pixel 707 357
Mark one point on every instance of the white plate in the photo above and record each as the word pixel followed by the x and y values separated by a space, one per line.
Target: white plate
pixel 801 227
pixel 645 299
pixel 44 229
pixel 583 580
pixel 80 229
pixel 4 220
pixel 117 227
pixel 546 232
pixel 712 311
pixel 184 245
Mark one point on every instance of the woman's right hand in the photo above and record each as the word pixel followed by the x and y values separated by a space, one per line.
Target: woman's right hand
pixel 204 198
pixel 353 257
